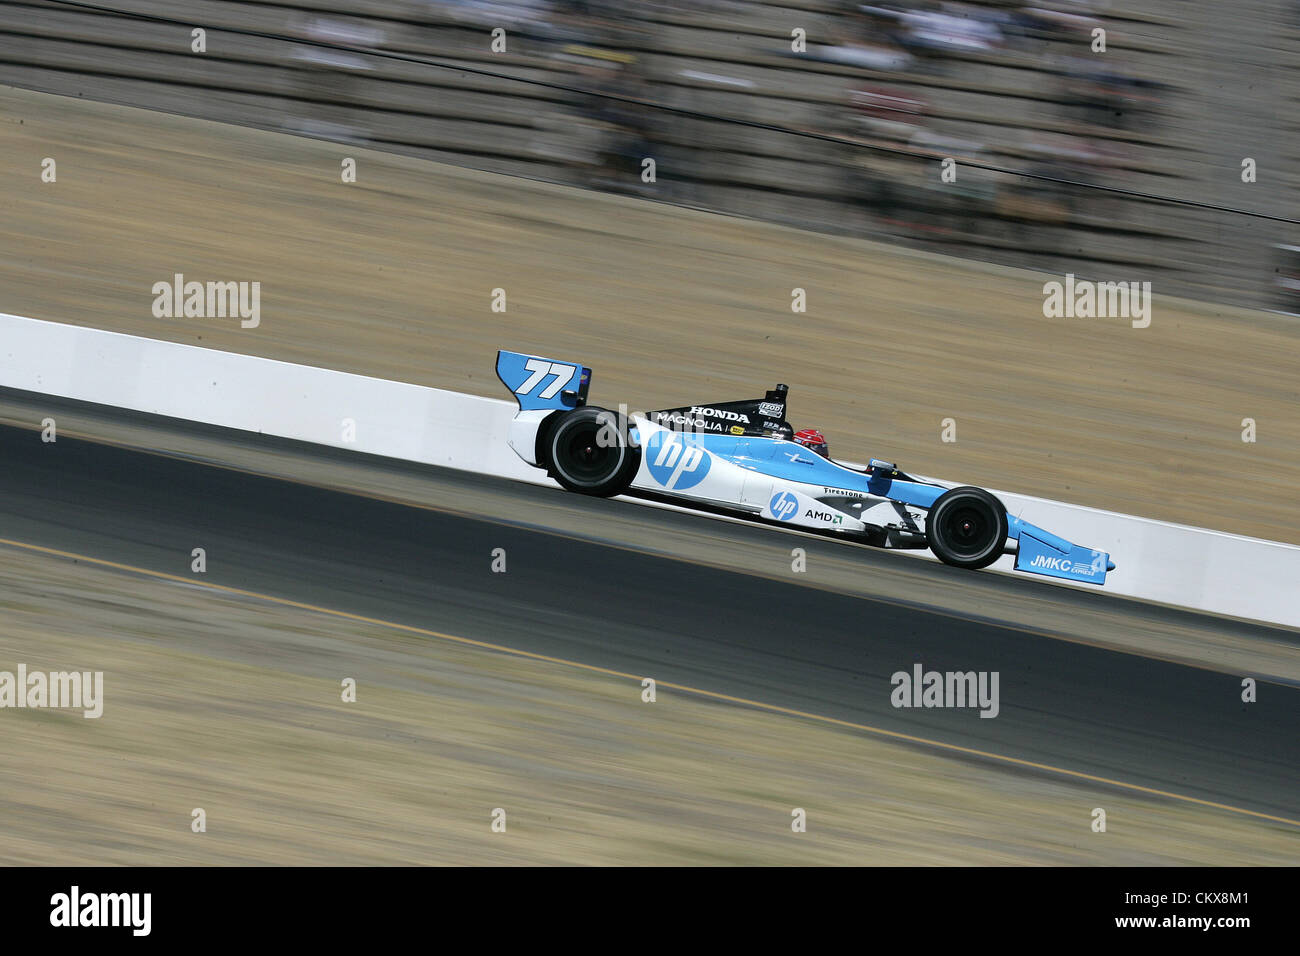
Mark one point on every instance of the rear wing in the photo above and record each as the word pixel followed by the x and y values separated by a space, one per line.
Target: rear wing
pixel 542 383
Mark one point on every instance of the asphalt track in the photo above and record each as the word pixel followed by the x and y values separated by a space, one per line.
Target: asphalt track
pixel 1093 711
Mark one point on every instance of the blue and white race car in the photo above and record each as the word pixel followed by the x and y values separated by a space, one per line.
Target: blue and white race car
pixel 742 458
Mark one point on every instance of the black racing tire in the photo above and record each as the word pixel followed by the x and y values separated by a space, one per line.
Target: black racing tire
pixel 967 528
pixel 575 455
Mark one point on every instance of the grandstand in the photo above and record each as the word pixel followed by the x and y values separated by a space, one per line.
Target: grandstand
pixel 846 134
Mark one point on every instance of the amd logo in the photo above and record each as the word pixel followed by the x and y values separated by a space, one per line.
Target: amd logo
pixel 824 516
pixel 719 413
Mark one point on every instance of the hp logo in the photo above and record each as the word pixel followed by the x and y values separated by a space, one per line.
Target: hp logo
pixel 675 462
pixel 783 506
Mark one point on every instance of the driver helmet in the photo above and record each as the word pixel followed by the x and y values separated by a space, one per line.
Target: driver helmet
pixel 814 440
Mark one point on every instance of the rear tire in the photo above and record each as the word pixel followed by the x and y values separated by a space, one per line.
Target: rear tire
pixel 967 528
pixel 588 451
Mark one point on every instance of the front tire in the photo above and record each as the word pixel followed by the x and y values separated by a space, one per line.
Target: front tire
pixel 589 451
pixel 967 528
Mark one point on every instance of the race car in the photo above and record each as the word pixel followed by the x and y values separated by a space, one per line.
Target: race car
pixel 743 458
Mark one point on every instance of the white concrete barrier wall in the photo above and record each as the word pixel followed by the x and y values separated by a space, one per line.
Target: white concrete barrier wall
pixel 393 419
pixel 1174 564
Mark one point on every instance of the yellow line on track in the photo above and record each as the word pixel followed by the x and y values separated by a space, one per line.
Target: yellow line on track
pixel 700 692
pixel 683 559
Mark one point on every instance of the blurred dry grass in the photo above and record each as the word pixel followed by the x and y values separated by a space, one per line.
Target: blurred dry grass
pixel 233 705
pixel 393 276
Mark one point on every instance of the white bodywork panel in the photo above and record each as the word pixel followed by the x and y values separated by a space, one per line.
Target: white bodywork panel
pixel 523 433
pixel 671 466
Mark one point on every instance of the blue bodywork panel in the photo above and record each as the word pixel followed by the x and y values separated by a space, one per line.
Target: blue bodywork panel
pixel 790 461
pixel 1041 552
pixel 1044 553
